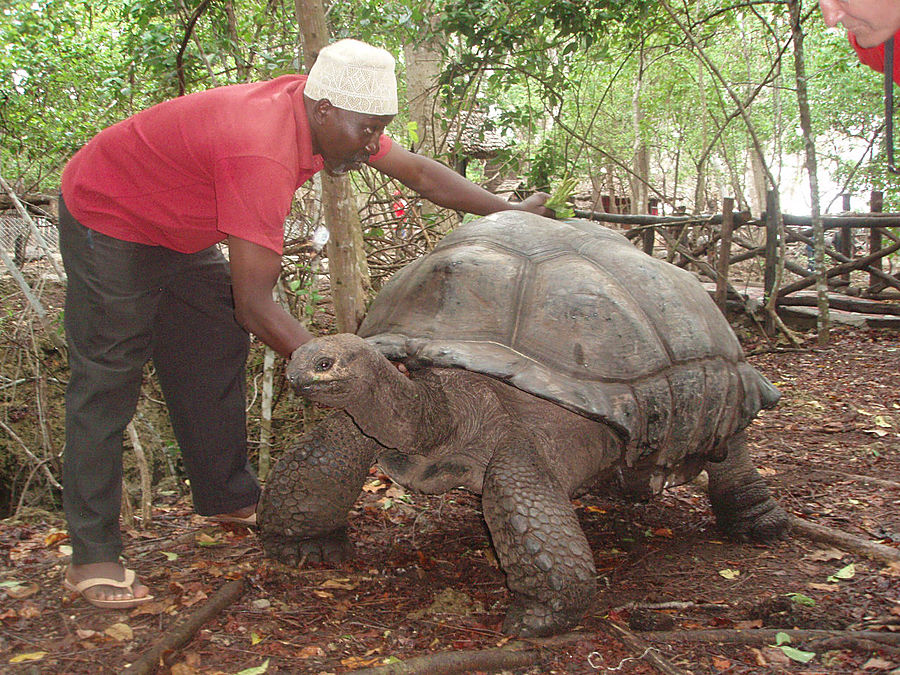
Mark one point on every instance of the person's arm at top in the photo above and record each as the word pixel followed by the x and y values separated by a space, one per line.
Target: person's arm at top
pixel 254 272
pixel 442 185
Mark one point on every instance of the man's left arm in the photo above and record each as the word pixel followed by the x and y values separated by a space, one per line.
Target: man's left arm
pixel 442 185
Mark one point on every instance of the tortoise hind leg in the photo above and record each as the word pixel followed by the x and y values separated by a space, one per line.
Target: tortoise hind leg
pixel 303 508
pixel 740 497
pixel 539 543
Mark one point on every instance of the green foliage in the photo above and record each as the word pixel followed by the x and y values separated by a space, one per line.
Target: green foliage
pixel 559 199
pixel 782 641
pixel 308 295
pixel 559 79
pixel 59 82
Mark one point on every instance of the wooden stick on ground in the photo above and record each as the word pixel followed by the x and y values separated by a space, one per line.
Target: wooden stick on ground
pixel 757 636
pixel 845 541
pixel 183 631
pixel 516 654
pixel 640 646
pixel 464 661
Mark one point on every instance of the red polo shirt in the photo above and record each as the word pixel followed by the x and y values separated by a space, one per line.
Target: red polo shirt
pixel 874 56
pixel 187 173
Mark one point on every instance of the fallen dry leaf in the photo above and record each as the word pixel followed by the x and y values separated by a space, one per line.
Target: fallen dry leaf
pixel 30 656
pixel 751 623
pixel 310 652
pixel 22 590
pixel 826 554
pixel 720 663
pixel 54 537
pixel 374 486
pixel 120 632
pixel 360 662
pixel 876 663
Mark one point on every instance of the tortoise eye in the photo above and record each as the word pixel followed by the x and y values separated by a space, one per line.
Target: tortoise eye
pixel 323 364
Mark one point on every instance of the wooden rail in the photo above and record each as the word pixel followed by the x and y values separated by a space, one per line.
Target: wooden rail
pixel 796 229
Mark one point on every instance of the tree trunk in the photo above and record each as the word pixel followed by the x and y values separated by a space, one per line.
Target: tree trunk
pixel 424 59
pixel 809 143
pixel 641 155
pixel 240 63
pixel 758 173
pixel 700 188
pixel 347 266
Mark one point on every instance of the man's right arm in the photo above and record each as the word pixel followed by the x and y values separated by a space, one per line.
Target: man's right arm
pixel 254 272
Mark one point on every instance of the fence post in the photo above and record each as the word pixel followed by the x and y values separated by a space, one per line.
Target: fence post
pixel 724 253
pixel 771 255
pixel 846 242
pixel 648 238
pixel 876 204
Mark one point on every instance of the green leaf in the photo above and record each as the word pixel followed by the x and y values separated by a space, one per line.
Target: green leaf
pixel 258 670
pixel 844 573
pixel 798 655
pixel 412 130
pixel 801 599
pixel 559 200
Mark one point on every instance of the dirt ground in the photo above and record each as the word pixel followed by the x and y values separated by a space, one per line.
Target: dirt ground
pixel 425 580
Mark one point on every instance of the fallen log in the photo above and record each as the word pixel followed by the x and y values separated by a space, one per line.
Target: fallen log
pixel 640 646
pixel 183 632
pixel 845 541
pixel 451 663
pixel 517 654
pixel 766 636
pixel 883 482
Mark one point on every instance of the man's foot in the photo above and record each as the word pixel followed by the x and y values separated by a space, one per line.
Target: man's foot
pixel 245 516
pixel 122 589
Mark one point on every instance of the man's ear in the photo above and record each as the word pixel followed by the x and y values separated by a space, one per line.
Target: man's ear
pixel 322 109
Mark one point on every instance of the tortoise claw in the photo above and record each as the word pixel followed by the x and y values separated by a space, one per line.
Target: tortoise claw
pixel 333 547
pixel 528 618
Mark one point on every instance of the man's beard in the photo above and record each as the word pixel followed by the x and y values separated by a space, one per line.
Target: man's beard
pixel 346 166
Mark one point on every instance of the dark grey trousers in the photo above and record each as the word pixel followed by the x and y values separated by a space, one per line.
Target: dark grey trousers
pixel 127 303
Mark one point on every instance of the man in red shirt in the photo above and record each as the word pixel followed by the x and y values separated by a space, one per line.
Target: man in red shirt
pixel 869 24
pixel 143 206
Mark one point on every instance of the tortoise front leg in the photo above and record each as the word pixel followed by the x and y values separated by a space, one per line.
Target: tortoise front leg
pixel 740 497
pixel 539 542
pixel 303 508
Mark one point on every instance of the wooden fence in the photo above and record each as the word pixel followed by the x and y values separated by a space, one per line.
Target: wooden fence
pixel 714 255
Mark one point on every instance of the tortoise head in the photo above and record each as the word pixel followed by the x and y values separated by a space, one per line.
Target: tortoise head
pixel 334 369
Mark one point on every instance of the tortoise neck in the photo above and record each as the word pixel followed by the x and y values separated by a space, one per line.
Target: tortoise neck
pixel 400 412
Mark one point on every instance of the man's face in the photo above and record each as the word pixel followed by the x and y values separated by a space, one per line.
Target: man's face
pixel 346 139
pixel 871 21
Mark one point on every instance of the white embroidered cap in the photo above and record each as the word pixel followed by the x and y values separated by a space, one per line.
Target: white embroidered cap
pixel 354 76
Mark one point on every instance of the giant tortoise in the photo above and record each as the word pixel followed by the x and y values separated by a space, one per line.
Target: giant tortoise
pixel 545 359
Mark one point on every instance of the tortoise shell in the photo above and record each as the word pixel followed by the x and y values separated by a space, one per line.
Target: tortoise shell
pixel 572 312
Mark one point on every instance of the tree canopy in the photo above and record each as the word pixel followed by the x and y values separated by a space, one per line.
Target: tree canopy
pixel 683 103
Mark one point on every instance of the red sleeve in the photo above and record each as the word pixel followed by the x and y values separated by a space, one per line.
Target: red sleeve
pixel 384 144
pixel 870 56
pixel 253 197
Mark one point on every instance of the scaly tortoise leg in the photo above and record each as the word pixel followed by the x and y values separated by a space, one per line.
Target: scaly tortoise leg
pixel 740 498
pixel 310 490
pixel 539 542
